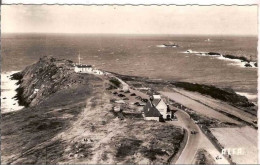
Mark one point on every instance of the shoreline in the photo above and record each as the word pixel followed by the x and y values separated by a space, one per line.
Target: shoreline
pixel 8 93
pixel 241 61
pixel 15 78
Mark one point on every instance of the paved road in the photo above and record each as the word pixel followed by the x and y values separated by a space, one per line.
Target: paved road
pixel 198 107
pixel 193 141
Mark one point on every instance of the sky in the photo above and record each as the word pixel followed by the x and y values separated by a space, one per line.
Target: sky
pixel 199 20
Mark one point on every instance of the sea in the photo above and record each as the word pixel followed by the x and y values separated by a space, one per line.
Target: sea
pixel 142 55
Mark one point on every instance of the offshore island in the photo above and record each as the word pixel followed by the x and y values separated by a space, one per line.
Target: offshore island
pixel 75 114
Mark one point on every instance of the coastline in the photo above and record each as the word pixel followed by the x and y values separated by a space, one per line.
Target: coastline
pixel 223 94
pixel 240 61
pixel 8 92
pixel 14 100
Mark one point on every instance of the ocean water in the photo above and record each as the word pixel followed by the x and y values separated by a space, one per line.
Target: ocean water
pixel 143 55
pixel 8 102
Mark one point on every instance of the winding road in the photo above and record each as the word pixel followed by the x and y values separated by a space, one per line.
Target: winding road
pixel 194 141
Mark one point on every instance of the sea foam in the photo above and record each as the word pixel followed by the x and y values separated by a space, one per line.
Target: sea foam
pixel 236 62
pixel 8 86
pixel 160 46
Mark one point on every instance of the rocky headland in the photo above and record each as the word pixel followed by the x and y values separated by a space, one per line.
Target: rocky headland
pixel 69 117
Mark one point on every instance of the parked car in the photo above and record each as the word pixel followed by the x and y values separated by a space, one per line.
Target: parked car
pixel 138 98
pixel 193 132
pixel 115 93
pixel 142 104
pixel 121 95
pixel 144 100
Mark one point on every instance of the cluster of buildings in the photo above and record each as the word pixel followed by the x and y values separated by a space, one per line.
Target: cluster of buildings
pixel 82 68
pixel 157 109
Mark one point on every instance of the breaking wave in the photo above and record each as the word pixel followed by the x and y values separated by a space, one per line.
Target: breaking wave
pixel 233 59
pixel 8 87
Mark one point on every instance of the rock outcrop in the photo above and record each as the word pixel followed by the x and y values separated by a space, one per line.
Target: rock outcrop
pixel 226 94
pixel 213 53
pixel 248 65
pixel 47 76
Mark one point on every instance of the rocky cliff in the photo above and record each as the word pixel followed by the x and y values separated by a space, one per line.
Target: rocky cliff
pixel 44 78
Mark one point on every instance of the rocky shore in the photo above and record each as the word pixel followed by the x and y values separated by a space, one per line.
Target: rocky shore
pixel 248 62
pixel 245 62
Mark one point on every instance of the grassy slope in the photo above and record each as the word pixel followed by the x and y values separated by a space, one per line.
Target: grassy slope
pixel 26 133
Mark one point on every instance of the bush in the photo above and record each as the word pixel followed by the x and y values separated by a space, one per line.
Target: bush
pixel 115 81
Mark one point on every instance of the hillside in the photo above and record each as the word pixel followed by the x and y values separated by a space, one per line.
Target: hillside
pixel 69 118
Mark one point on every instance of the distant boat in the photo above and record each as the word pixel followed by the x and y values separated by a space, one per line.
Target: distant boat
pixel 188 51
pixel 171 45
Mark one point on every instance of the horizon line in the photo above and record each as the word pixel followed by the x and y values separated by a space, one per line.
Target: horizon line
pixel 129 33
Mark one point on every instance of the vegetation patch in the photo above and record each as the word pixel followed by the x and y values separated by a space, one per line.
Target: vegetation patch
pixel 227 95
pixel 151 153
pixel 115 82
pixel 20 97
pixel 127 147
pixel 203 157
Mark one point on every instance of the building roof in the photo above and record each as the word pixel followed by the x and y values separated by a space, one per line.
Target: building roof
pixel 83 66
pixel 150 110
pixel 156 101
pixel 156 96
pixel 120 101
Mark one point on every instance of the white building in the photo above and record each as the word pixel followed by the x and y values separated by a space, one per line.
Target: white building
pixel 98 72
pixel 156 105
pixel 158 102
pixel 83 68
pixel 150 112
